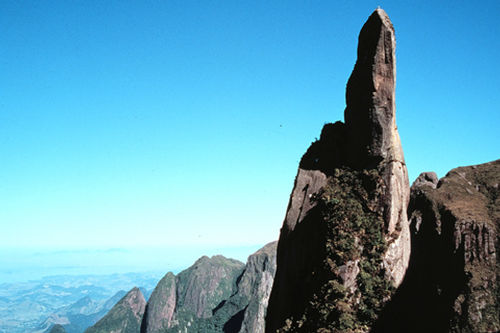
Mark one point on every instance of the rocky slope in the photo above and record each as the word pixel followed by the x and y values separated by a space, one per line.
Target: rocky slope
pixel 214 295
pixel 124 317
pixel 344 245
pixel 77 317
pixel 161 305
pixel 453 279
pixel 256 283
pixel 188 300
pixel 245 310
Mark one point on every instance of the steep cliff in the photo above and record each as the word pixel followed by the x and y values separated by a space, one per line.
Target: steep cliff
pixel 257 282
pixel 188 301
pixel 245 310
pixel 124 317
pixel 161 305
pixel 344 245
pixel 214 295
pixel 453 280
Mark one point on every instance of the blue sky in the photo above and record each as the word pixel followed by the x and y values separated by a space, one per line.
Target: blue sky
pixel 134 124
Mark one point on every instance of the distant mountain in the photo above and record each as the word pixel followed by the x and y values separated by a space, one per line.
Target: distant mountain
pixel 77 317
pixel 35 306
pixel 124 317
pixel 215 294
pixel 186 300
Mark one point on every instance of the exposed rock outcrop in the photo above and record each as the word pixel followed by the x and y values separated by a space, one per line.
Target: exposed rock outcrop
pixel 189 300
pixel 453 279
pixel 257 282
pixel 161 305
pixel 347 218
pixel 202 287
pixel 214 295
pixel 245 310
pixel 124 317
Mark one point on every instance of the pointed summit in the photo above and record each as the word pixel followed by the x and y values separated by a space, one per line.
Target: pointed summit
pixel 370 94
pixel 124 317
pixel 344 245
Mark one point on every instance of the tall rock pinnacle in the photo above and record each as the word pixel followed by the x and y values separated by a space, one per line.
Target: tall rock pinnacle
pixel 344 245
pixel 371 125
pixel 370 94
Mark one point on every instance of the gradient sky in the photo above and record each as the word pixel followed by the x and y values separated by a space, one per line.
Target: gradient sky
pixel 167 123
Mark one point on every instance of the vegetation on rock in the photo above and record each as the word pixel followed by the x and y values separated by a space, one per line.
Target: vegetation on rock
pixel 352 282
pixel 215 294
pixel 124 317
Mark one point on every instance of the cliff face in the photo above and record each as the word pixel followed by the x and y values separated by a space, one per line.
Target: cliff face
pixel 161 305
pixel 214 295
pixel 452 283
pixel 245 310
pixel 344 245
pixel 124 317
pixel 187 301
pixel 204 285
pixel 257 282
pixel 455 236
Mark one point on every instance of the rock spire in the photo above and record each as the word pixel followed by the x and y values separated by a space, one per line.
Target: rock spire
pixel 346 219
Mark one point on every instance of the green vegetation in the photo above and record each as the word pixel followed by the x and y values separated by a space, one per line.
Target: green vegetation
pixel 204 295
pixel 124 317
pixel 353 234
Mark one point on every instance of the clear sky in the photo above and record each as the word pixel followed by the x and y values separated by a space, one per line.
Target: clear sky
pixel 159 124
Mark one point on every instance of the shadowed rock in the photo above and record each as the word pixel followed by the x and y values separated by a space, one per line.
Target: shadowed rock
pixel 57 329
pixel 453 279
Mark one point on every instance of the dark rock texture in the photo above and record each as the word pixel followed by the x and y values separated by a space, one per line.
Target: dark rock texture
pixel 245 310
pixel 351 184
pixel 57 329
pixel 124 317
pixel 453 279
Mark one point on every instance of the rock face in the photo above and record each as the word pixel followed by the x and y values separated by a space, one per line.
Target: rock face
pixel 124 317
pixel 161 305
pixel 256 282
pixel 347 218
pixel 245 310
pixel 453 279
pixel 188 301
pixel 214 295
pixel 204 285
pixel 374 140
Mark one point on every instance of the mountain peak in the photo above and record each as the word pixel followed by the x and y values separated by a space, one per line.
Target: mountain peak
pixel 124 317
pixel 346 221
pixel 370 94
